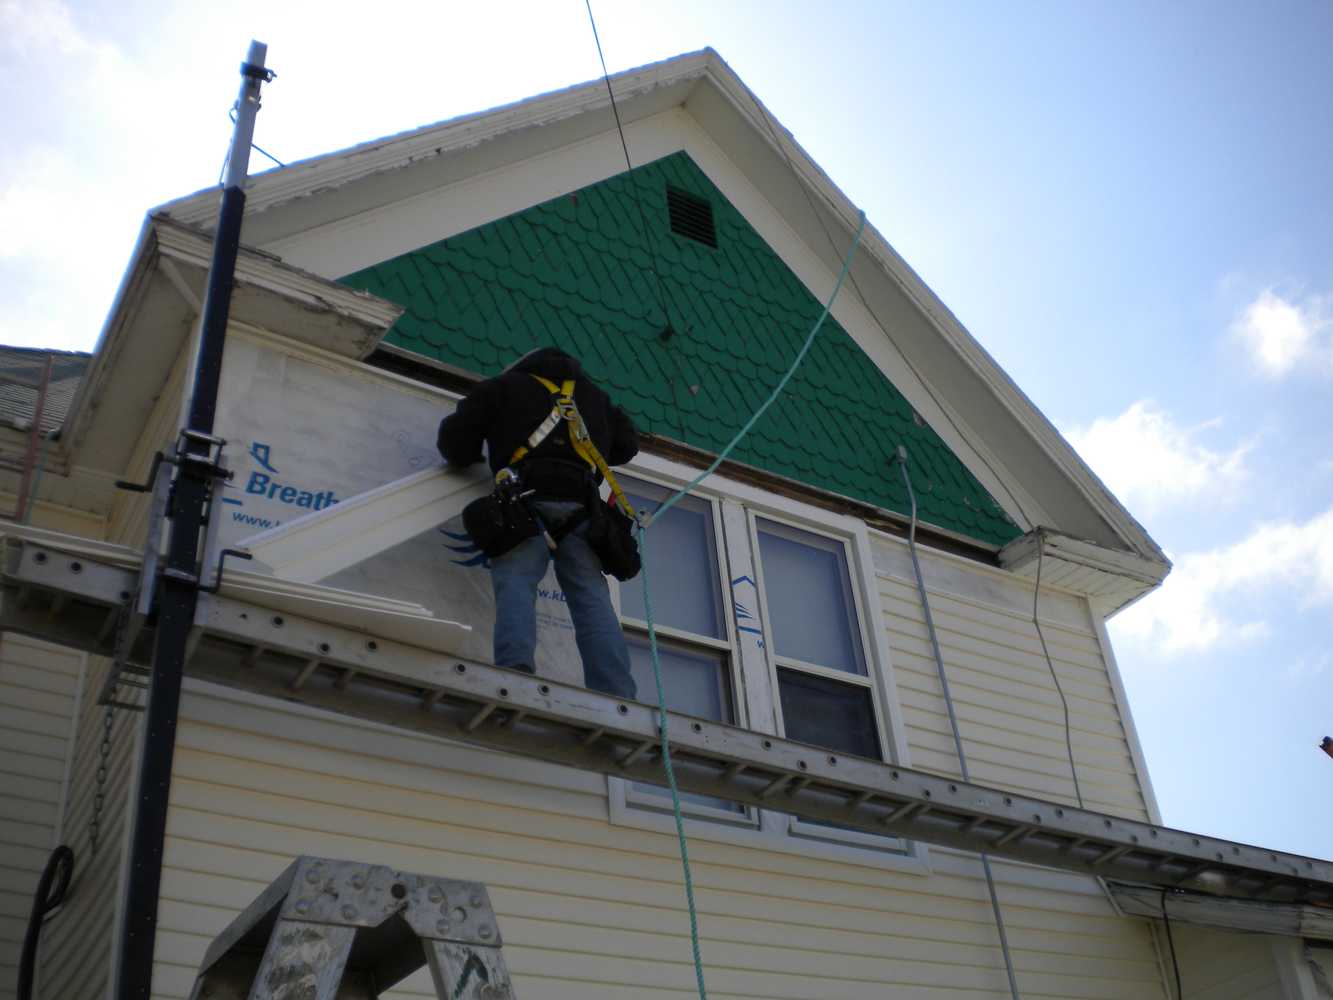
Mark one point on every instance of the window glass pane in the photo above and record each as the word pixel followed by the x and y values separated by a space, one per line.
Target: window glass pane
pixel 695 682
pixel 682 561
pixel 808 590
pixel 828 713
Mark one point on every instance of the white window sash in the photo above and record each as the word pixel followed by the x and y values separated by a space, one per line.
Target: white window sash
pixel 754 668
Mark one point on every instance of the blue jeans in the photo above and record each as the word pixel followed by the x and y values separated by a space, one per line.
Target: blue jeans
pixel 515 576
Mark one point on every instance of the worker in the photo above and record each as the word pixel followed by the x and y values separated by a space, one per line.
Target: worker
pixel 531 452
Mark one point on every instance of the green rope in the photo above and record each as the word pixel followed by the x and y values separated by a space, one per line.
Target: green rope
pixel 777 391
pixel 644 523
pixel 670 771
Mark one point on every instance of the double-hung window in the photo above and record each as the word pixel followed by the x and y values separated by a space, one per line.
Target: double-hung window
pixel 762 622
pixel 693 621
pixel 818 652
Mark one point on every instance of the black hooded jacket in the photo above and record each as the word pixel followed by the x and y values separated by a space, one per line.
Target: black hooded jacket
pixel 505 410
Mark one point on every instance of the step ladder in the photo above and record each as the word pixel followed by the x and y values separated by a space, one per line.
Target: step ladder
pixel 70 598
pixel 344 930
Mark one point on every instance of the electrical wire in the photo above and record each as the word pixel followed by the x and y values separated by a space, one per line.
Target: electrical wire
pixel 662 295
pixel 1171 946
pixel 901 459
pixel 1050 665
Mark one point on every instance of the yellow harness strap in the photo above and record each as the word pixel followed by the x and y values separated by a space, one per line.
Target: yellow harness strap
pixel 564 409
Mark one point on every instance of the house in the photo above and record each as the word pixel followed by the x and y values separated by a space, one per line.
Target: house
pixel 378 283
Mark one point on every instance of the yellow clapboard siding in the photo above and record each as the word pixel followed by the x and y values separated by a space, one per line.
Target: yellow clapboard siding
pixel 1009 630
pixel 37 677
pixel 1025 678
pixel 38 684
pixel 570 883
pixel 271 794
pixel 76 947
pixel 1036 739
pixel 1012 706
pixel 1011 716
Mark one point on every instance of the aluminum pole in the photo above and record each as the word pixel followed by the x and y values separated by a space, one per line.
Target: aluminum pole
pixel 180 579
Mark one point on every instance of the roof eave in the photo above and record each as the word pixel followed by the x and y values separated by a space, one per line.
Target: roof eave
pixel 333 170
pixel 157 306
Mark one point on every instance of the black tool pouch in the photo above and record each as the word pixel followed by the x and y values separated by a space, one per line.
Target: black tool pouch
pixel 498 522
pixel 611 536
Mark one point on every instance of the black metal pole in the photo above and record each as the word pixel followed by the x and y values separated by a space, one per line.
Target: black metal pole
pixel 180 579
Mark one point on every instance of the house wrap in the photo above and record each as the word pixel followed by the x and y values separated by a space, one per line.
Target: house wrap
pixel 375 285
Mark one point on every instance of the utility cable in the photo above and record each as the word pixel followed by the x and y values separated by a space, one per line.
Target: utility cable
pixel 901 459
pixel 1050 665
pixel 643 220
pixel 1171 946
pixel 51 888
pixel 667 328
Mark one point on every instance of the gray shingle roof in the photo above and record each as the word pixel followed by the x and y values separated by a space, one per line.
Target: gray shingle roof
pixel 20 375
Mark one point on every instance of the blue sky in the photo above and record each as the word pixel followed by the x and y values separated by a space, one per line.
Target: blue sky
pixel 1127 204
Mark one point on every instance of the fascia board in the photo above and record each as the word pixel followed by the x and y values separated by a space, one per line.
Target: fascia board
pixel 376 616
pixel 133 286
pixel 120 556
pixel 150 321
pixel 314 547
pixel 1253 916
pixel 360 319
pixel 334 170
pixel 1022 553
pixel 1111 579
pixel 235 581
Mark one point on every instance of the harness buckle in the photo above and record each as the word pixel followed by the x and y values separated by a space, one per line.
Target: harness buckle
pixel 570 414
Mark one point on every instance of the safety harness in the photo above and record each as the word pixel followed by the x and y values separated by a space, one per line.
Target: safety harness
pixel 564 411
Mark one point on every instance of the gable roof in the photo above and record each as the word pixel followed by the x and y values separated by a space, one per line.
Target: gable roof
pixel 1007 444
pixel 590 274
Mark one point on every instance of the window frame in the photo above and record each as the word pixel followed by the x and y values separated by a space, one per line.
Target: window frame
pixel 629 796
pixel 795 826
pixel 736 505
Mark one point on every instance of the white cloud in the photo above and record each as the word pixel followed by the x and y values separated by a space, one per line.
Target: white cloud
pixel 38 24
pixel 1282 335
pixel 1149 460
pixel 1202 602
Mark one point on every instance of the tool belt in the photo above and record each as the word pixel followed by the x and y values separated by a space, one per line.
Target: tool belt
pixel 505 518
pixel 499 521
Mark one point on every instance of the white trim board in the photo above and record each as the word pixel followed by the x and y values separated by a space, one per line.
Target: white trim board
pixel 321 543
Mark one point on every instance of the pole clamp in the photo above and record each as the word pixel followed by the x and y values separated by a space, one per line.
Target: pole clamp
pixel 254 72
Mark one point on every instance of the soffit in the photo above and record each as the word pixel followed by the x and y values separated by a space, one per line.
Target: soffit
pixel 155 311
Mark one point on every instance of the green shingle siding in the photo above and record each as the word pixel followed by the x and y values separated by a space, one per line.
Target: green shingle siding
pixel 576 272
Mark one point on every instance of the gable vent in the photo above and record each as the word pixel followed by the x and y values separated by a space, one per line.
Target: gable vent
pixel 691 217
